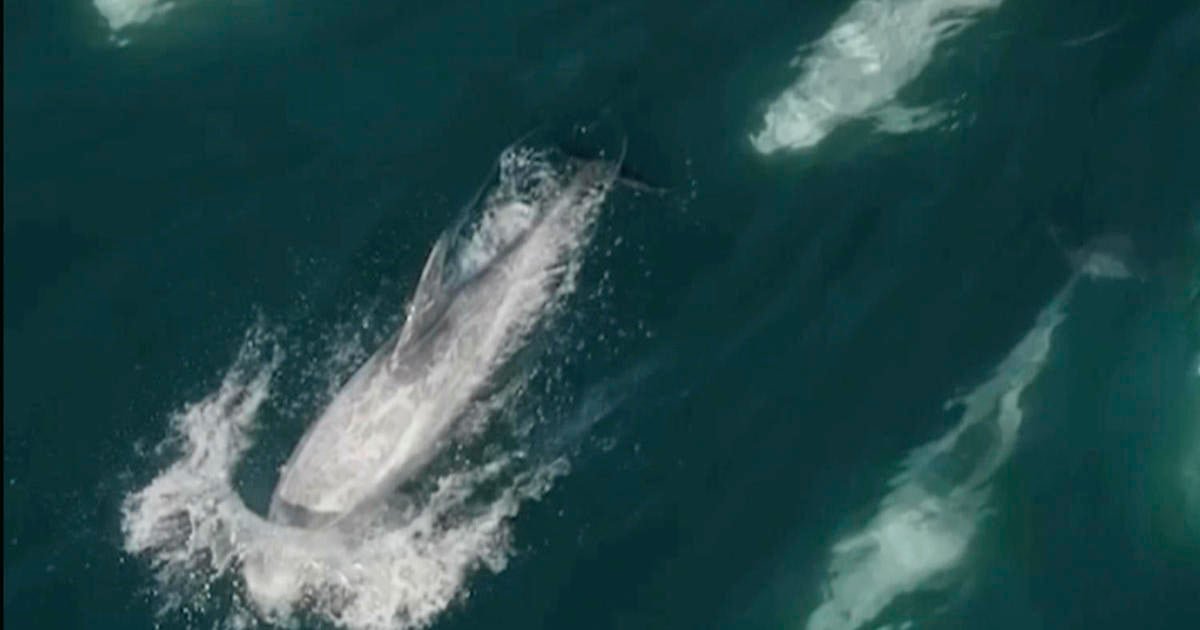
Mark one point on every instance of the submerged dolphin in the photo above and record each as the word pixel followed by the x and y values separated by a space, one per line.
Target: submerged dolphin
pixel 1106 256
pixel 859 69
pixel 478 298
pixel 925 525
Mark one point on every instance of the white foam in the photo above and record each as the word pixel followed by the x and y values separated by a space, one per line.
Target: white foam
pixel 398 566
pixel 923 530
pixel 857 69
pixel 121 14
pixel 394 572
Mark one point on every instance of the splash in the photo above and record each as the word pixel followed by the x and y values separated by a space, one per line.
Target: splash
pixel 403 562
pixel 182 518
pixel 857 69
pixel 388 573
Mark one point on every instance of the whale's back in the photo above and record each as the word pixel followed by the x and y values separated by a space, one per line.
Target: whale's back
pixel 486 285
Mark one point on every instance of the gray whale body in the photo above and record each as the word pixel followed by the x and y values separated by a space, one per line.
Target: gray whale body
pixel 479 297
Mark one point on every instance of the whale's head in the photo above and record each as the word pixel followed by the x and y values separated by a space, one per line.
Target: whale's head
pixel 1108 256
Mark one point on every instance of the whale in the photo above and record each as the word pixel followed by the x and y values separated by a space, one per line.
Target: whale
pixel 486 285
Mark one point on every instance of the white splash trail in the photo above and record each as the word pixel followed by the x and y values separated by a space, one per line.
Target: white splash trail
pixel 857 69
pixel 402 566
pixel 924 526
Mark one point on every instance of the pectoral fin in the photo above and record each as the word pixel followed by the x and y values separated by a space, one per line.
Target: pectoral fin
pixel 428 301
pixel 897 118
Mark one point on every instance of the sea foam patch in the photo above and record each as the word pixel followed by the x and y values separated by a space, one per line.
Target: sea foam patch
pixel 402 561
pixel 859 66
pixel 196 531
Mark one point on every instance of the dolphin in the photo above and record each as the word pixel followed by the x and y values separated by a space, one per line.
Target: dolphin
pixel 1109 255
pixel 860 67
pixel 925 525
pixel 485 286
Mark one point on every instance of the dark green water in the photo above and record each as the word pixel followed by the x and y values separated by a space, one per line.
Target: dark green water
pixel 747 361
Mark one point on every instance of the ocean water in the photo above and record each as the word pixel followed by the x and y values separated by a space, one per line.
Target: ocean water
pixel 840 314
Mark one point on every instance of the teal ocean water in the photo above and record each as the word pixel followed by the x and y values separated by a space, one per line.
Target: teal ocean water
pixel 828 315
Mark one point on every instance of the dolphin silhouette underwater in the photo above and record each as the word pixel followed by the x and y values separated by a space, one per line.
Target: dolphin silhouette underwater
pixel 479 297
pixel 924 527
pixel 1111 255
